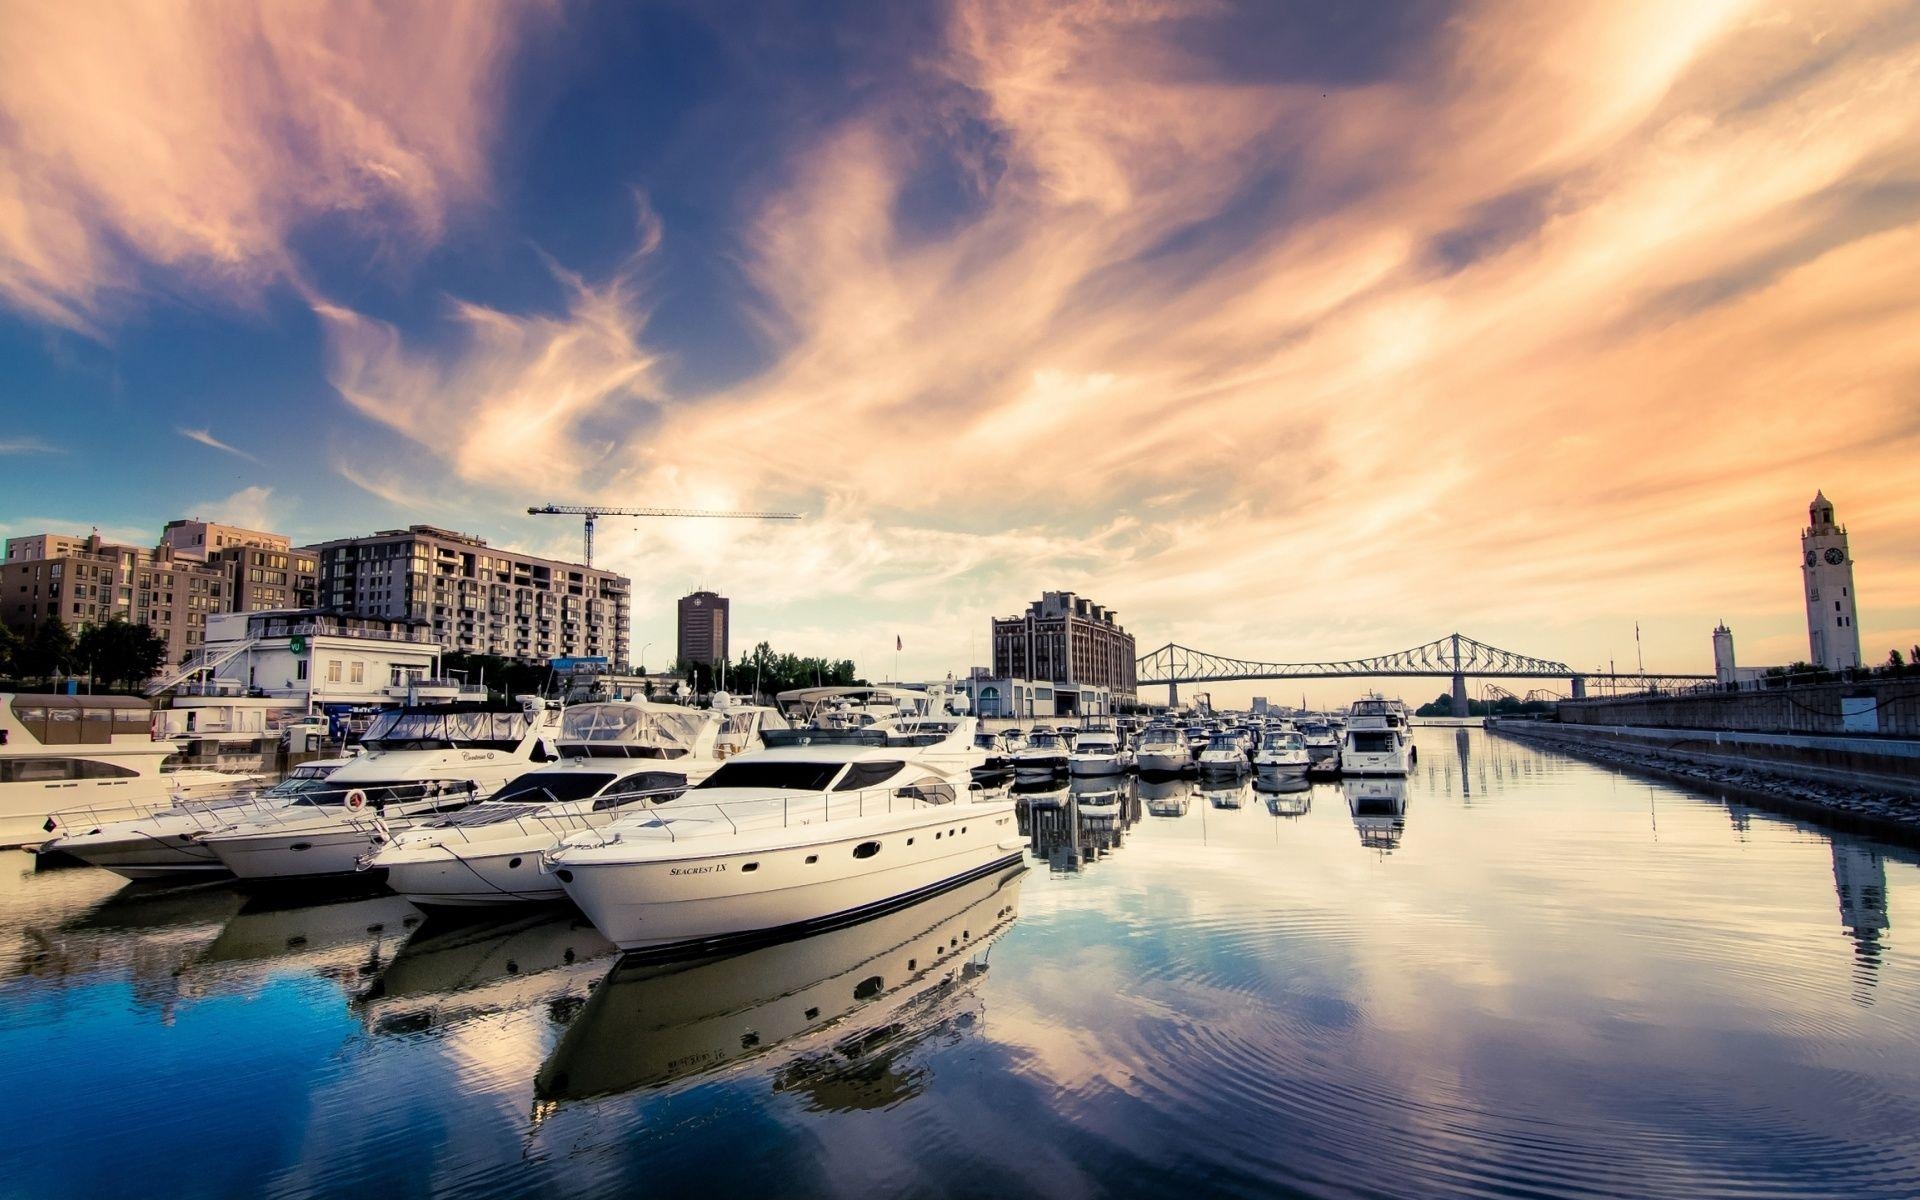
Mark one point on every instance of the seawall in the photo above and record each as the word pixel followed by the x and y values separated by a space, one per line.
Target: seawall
pixel 1870 785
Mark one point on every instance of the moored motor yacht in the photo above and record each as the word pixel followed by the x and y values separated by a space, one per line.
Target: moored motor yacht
pixel 783 840
pixel 92 759
pixel 419 763
pixel 1044 754
pixel 1377 741
pixel 614 756
pixel 1323 747
pixel 1281 754
pixel 1162 749
pixel 1097 752
pixel 164 842
pixel 1224 754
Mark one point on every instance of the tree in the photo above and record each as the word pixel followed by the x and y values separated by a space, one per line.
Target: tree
pixel 1894 662
pixel 48 650
pixel 120 653
pixel 9 650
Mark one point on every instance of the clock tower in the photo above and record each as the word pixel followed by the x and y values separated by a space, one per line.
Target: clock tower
pixel 1826 571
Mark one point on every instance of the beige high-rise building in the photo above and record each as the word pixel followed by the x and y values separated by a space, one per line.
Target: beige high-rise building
pixel 1066 638
pixel 477 599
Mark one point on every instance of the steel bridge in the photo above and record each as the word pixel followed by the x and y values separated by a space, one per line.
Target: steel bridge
pixel 1456 657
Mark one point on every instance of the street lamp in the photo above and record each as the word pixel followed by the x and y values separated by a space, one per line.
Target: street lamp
pixel 643 657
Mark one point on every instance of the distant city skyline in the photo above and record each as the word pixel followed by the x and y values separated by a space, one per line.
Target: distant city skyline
pixel 1289 333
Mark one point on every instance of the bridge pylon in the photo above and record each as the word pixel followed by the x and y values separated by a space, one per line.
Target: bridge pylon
pixel 1460 708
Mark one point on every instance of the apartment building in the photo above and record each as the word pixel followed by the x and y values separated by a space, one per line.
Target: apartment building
pixel 89 581
pixel 475 598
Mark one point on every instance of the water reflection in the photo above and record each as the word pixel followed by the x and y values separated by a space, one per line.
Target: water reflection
pixel 347 940
pixel 1225 793
pixel 450 970
pixel 838 1011
pixel 1538 997
pixel 1379 807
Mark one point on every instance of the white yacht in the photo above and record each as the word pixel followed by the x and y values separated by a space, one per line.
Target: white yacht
pixel 1323 747
pixel 996 749
pixel 1377 741
pixel 1098 752
pixel 419 763
pixel 1163 748
pixel 783 840
pixel 164 843
pixel 1044 754
pixel 614 755
pixel 90 759
pixel 1224 753
pixel 1282 754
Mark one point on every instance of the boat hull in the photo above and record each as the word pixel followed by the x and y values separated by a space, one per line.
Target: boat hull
pixel 1167 762
pixel 702 897
pixel 443 878
pixel 1097 764
pixel 1280 767
pixel 292 855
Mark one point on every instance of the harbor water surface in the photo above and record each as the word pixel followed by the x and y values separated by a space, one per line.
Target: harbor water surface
pixel 1519 975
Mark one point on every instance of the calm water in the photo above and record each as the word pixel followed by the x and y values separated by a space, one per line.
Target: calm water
pixel 1520 975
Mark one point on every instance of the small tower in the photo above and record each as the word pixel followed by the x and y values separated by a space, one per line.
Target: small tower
pixel 1723 654
pixel 1833 637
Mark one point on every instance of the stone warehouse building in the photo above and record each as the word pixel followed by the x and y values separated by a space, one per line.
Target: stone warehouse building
pixel 477 599
pixel 1064 638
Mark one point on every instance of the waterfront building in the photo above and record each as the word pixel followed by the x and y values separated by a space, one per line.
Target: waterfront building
pixel 475 598
pixel 264 570
pixel 991 695
pixel 1826 568
pixel 190 537
pixel 1064 638
pixel 705 618
pixel 90 581
pixel 314 660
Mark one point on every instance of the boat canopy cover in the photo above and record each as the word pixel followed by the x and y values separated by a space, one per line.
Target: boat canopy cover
pixel 416 728
pixel 640 730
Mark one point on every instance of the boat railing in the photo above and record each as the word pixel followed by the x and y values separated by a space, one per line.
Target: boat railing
pixel 555 817
pixel 806 808
pixel 374 805
pixel 209 811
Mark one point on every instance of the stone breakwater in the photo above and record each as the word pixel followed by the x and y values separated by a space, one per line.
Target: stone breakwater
pixel 1862 807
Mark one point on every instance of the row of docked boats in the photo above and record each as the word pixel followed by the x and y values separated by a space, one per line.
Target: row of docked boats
pixel 665 825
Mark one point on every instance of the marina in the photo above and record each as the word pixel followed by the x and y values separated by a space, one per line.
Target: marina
pixel 1496 975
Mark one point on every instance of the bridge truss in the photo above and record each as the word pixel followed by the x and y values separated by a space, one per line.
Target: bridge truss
pixel 1455 656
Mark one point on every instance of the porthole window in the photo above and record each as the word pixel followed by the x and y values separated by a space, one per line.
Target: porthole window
pixel 564 876
pixel 866 849
pixel 752 866
pixel 869 987
pixel 813 858
pixel 513 862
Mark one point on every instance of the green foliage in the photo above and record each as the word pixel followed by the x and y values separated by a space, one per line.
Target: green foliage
pixel 503 677
pixel 767 673
pixel 46 651
pixel 1505 706
pixel 9 650
pixel 119 653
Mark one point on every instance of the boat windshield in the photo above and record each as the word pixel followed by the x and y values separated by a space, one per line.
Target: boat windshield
pixel 1094 741
pixel 1315 729
pixel 1223 741
pixel 1044 741
pixel 1283 741
pixel 294 785
pixel 545 786
pixel 430 729
pixel 986 741
pixel 774 774
pixel 1160 737
pixel 630 731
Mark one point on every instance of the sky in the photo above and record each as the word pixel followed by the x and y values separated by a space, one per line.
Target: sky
pixel 1290 331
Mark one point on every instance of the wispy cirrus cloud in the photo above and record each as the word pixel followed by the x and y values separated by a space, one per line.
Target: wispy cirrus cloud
pixel 28 445
pixel 194 139
pixel 205 438
pixel 1542 318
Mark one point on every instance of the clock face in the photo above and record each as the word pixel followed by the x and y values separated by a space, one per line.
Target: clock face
pixel 1812 558
pixel 1836 555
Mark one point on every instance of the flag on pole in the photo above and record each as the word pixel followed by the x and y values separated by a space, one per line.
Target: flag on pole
pixel 898 645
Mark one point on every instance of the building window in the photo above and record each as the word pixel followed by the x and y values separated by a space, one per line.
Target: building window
pixel 333 670
pixel 300 669
pixel 358 674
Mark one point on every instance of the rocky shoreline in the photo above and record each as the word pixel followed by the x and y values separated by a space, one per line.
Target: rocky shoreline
pixel 1855 808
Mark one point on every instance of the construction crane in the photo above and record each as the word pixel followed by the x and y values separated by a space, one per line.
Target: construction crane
pixel 592 513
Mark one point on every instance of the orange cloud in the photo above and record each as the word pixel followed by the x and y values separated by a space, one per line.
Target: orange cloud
pixel 197 137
